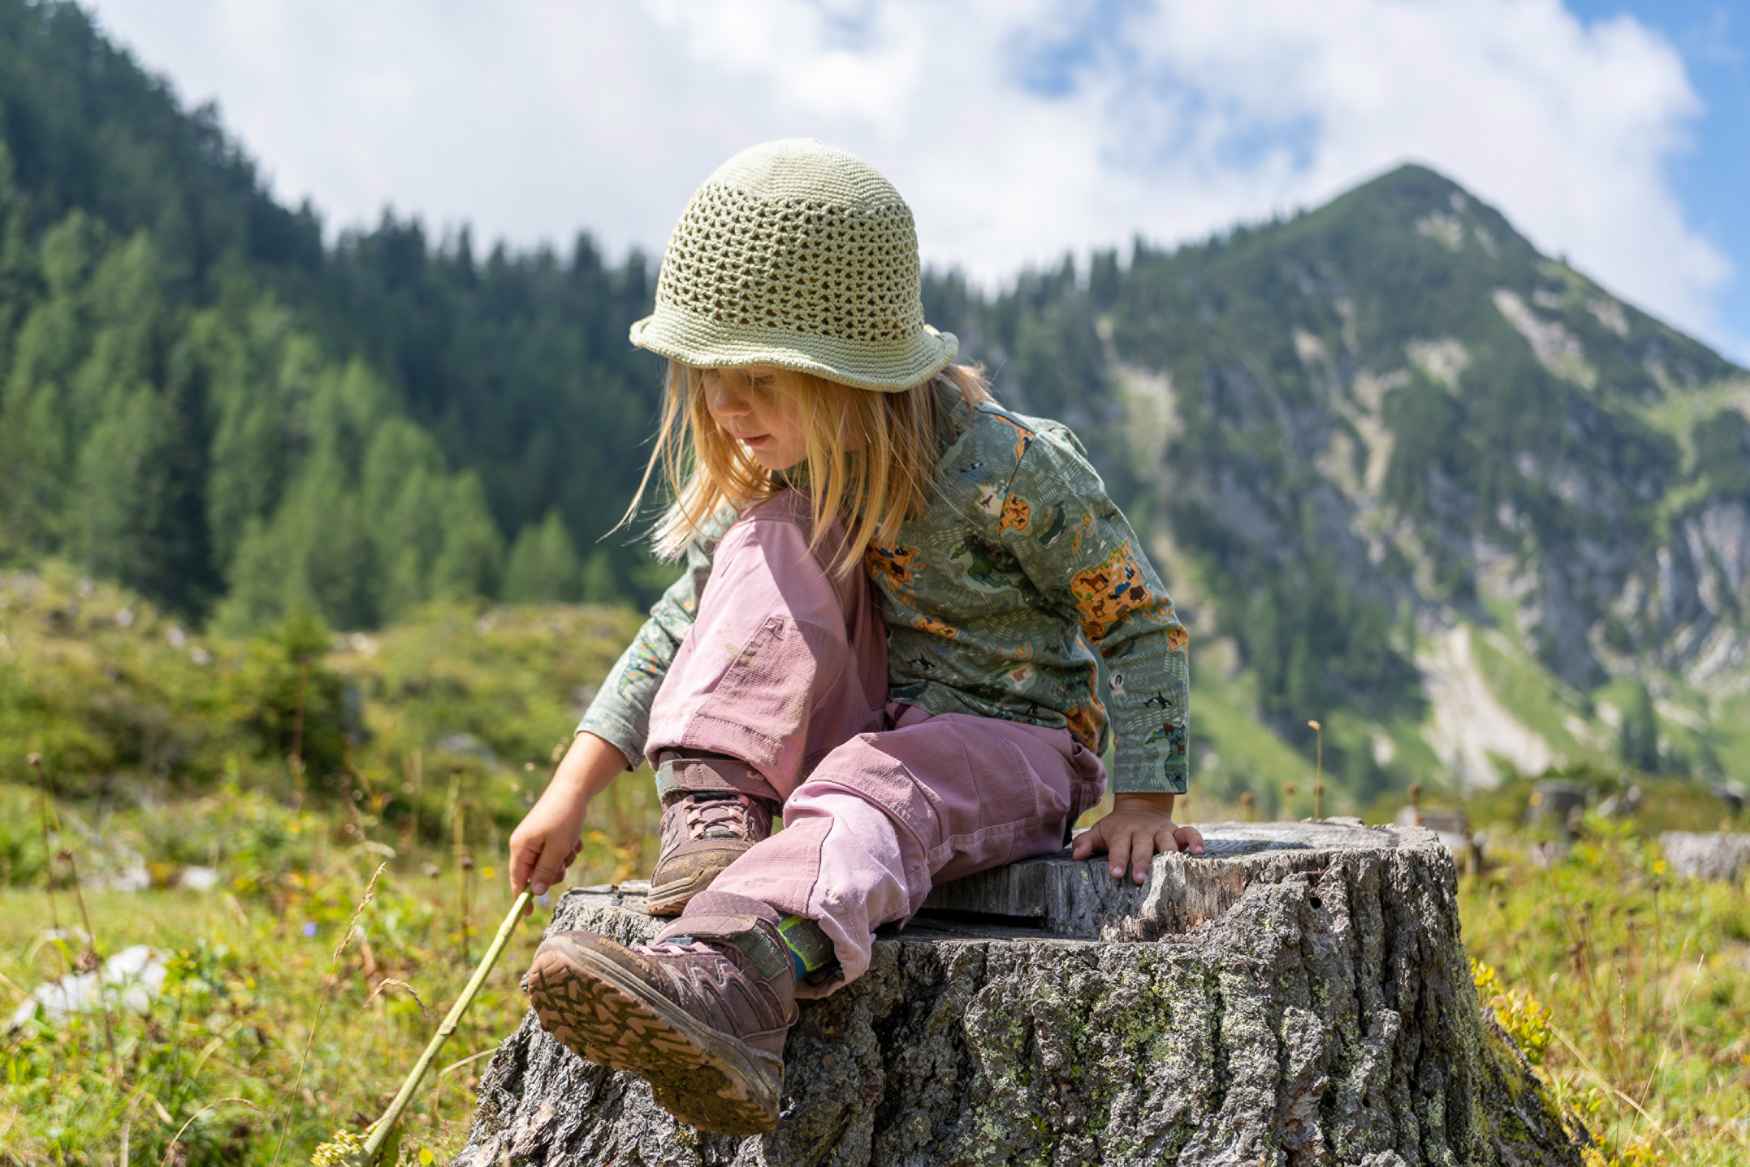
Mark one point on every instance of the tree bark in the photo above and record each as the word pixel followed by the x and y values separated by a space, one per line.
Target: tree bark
pixel 1298 996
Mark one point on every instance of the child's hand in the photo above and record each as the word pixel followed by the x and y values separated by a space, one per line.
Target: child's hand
pixel 548 838
pixel 1138 827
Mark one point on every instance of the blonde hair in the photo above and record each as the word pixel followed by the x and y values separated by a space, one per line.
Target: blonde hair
pixel 871 458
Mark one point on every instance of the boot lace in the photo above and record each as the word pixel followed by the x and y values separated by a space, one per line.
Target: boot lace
pixel 719 816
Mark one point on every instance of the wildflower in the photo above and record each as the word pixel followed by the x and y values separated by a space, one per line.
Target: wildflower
pixel 309 928
pixel 342 1148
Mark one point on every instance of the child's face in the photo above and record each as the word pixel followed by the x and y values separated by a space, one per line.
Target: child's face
pixel 757 406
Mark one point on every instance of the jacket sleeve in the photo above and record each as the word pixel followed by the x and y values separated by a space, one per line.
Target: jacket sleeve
pixel 1078 549
pixel 620 712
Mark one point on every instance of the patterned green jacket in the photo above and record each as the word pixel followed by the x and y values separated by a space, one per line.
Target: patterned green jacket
pixel 995 599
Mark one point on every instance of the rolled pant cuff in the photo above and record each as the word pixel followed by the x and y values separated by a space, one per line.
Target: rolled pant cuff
pixel 678 771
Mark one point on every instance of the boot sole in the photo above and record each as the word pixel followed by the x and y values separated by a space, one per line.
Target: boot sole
pixel 669 899
pixel 606 1015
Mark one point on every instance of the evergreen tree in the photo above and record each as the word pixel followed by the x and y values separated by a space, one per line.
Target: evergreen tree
pixel 1638 732
pixel 1103 278
pixel 543 564
pixel 473 550
pixel 126 522
pixel 599 585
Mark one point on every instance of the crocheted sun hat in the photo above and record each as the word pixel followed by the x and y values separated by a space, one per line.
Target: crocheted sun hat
pixel 799 255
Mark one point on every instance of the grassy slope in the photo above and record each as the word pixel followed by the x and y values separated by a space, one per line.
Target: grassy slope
pixel 249 985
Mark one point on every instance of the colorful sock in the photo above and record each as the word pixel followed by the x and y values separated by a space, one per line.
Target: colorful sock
pixel 811 952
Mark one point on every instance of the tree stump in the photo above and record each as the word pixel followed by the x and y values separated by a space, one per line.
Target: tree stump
pixel 1299 995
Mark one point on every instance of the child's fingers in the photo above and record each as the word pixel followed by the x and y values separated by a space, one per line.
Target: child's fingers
pixel 1142 855
pixel 1087 843
pixel 1188 839
pixel 548 869
pixel 1118 853
pixel 522 862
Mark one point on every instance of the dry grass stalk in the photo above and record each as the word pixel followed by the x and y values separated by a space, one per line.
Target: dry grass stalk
pixel 464 863
pixel 412 786
pixel 469 1060
pixel 42 792
pixel 91 960
pixel 392 983
pixel 359 910
pixel 171 1147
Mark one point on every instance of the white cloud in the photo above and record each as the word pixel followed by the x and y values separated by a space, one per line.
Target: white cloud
pixel 535 120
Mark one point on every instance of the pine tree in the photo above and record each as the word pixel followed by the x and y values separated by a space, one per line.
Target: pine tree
pixel 126 522
pixel 543 564
pixel 1638 733
pixel 1103 278
pixel 599 585
pixel 473 550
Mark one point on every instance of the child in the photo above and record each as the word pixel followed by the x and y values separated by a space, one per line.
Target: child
pixel 886 632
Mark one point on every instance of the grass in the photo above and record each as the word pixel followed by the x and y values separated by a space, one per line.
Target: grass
pixel 1641 982
pixel 169 752
pixel 253 984
pixel 1733 729
pixel 1676 414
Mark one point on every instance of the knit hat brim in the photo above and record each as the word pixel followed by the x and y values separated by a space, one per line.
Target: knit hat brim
pixel 710 344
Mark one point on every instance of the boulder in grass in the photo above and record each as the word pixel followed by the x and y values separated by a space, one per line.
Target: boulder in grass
pixel 1718 855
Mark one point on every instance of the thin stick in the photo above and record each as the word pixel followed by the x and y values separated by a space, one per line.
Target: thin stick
pixel 380 1129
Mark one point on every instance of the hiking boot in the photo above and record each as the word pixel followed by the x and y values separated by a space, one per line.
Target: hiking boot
pixel 702 1015
pixel 703 831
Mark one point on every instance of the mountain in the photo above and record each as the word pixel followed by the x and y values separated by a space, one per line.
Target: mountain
pixel 1403 474
pixel 1443 481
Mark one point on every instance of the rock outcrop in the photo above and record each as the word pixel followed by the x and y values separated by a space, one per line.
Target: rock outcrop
pixel 1719 855
pixel 1300 995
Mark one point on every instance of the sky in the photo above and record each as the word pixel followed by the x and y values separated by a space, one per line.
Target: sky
pixel 1614 134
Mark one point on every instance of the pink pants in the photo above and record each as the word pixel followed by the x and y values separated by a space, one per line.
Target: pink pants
pixel 786 669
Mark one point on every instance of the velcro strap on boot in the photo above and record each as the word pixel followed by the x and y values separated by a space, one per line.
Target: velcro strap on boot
pixel 756 938
pixel 679 772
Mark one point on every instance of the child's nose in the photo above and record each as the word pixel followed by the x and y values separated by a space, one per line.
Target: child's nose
pixel 724 400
